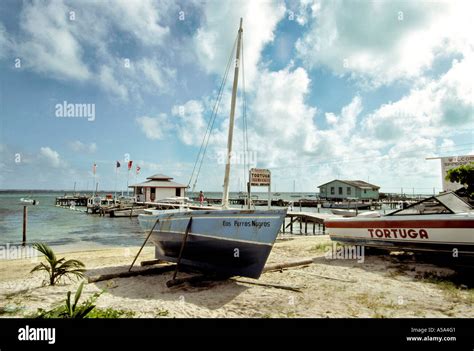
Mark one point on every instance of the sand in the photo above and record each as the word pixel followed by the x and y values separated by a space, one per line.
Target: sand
pixel 382 286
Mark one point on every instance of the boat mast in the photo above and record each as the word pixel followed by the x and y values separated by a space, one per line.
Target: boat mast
pixel 225 195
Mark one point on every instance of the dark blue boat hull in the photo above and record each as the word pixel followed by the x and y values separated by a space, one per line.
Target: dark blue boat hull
pixel 212 255
pixel 224 242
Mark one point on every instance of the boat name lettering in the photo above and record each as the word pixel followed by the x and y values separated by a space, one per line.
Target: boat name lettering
pixel 398 233
pixel 235 223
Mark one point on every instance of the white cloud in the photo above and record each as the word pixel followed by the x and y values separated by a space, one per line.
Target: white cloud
pixel 49 46
pixel 109 82
pixel 51 156
pixel 368 41
pixel 83 47
pixel 301 11
pixel 155 128
pixel 79 146
pixel 214 39
pixel 280 114
pixel 191 125
pixel 436 109
pixel 5 43
pixel 447 146
pixel 156 77
pixel 141 18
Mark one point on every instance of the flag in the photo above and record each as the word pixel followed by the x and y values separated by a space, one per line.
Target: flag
pixel 118 164
pixel 94 167
pixel 138 169
pixel 130 165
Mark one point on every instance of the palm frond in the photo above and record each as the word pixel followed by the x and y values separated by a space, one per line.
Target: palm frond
pixel 57 269
pixel 46 251
pixel 41 267
pixel 78 295
pixel 69 308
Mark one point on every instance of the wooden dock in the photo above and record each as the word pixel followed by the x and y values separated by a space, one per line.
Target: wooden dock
pixel 305 219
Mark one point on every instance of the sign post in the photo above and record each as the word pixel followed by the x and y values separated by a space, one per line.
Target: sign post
pixel 260 177
pixel 448 163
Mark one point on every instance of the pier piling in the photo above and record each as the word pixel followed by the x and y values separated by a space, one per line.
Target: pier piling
pixel 25 220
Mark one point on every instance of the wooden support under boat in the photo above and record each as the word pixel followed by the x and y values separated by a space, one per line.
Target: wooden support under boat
pixel 143 245
pixel 268 268
pixel 183 244
pixel 277 286
pixel 194 279
pixel 126 274
pixel 280 266
pixel 151 262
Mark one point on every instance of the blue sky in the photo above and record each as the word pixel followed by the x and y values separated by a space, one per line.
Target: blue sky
pixel 335 89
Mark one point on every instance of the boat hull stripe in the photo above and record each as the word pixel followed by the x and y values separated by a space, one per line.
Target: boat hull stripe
pixel 454 223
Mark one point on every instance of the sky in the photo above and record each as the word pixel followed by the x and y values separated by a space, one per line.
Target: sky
pixel 361 90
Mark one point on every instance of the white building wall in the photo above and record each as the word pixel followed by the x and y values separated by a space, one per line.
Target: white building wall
pixel 163 193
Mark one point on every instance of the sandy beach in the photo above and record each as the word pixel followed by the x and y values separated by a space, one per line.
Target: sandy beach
pixel 382 286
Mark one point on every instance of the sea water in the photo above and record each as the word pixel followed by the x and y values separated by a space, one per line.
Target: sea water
pixel 58 226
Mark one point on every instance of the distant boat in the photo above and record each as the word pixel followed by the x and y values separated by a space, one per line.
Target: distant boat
pixel 440 223
pixel 344 213
pixel 230 242
pixel 276 194
pixel 29 201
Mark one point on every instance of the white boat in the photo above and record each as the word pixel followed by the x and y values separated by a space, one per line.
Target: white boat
pixel 343 212
pixel 27 200
pixel 95 203
pixel 175 200
pixel 441 223
pixel 225 241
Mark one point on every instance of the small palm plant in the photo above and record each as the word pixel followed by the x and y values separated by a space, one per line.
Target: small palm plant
pixel 55 268
pixel 71 309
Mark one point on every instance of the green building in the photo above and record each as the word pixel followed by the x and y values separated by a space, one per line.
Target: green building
pixel 348 190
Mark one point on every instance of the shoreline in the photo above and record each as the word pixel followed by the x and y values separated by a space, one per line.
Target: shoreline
pixel 382 286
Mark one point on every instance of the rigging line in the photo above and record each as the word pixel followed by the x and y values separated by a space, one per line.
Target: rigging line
pixel 213 114
pixel 215 110
pixel 206 145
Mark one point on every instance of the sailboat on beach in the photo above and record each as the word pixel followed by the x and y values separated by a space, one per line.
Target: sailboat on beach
pixel 231 242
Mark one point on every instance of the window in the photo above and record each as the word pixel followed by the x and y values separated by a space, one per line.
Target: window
pixel 340 190
pixel 332 191
pixel 178 192
pixel 365 191
pixel 348 190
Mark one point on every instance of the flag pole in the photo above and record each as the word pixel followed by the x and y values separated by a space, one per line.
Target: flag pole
pixel 128 178
pixel 93 184
pixel 121 186
pixel 115 183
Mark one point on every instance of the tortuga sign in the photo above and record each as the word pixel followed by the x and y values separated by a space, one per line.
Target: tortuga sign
pixel 451 162
pixel 260 177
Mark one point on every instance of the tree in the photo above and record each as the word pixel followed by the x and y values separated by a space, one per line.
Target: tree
pixel 464 175
pixel 55 268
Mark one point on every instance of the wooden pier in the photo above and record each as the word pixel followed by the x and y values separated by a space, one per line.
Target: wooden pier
pixel 305 220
